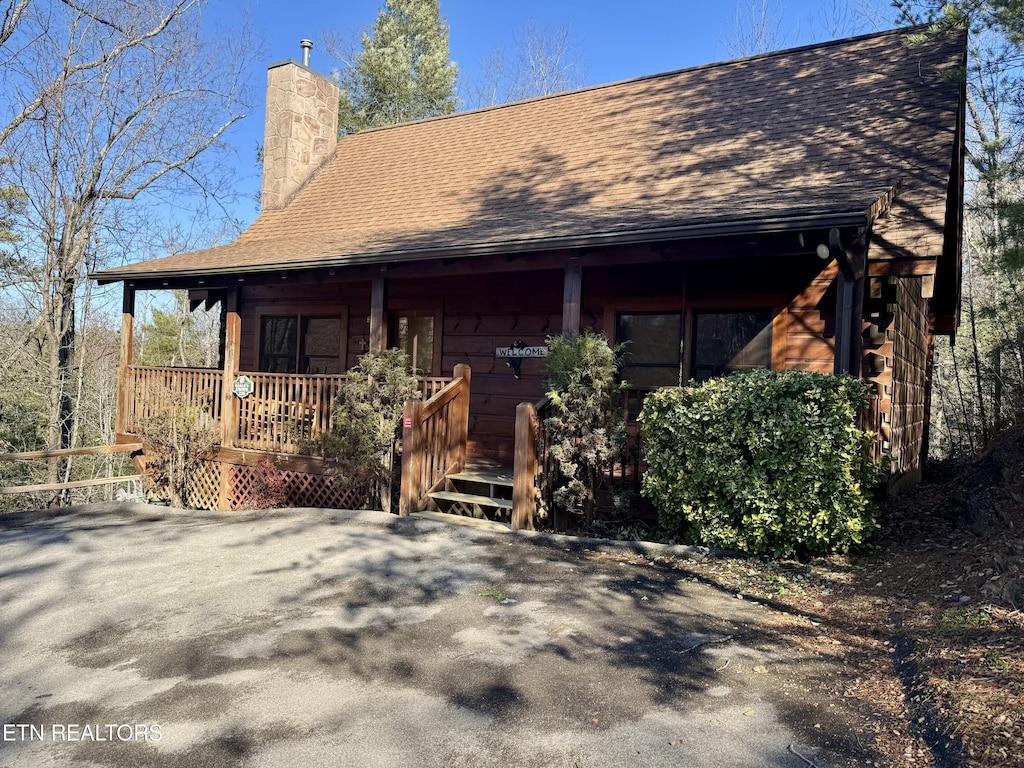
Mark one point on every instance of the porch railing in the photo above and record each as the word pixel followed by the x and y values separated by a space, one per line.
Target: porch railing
pixel 284 410
pixel 149 392
pixel 434 436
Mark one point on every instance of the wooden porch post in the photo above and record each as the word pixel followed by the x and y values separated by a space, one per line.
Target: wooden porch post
pixel 524 468
pixel 232 342
pixel 378 332
pixel 572 294
pixel 412 458
pixel 849 303
pixel 461 426
pixel 125 394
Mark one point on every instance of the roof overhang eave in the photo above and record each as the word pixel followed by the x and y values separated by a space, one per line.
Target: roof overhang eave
pixel 768 225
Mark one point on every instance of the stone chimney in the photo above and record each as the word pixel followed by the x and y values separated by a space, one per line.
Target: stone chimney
pixel 301 130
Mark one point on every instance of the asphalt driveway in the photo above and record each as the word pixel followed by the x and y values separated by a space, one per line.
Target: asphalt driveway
pixel 140 636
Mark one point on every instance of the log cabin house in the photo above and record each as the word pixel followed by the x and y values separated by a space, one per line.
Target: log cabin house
pixel 798 209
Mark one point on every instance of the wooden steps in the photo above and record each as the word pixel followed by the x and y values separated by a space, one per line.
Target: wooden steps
pixel 480 492
pixel 470 499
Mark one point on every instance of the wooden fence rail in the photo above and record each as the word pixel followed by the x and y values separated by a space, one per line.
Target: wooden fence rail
pixel 434 437
pixel 284 410
pixel 65 452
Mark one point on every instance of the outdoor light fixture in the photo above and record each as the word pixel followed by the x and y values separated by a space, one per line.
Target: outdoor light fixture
pixel 823 252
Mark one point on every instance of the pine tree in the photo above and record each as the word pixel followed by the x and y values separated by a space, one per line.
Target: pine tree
pixel 403 71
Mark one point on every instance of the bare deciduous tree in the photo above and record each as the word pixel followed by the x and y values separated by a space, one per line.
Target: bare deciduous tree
pixel 544 60
pixel 756 28
pixel 126 106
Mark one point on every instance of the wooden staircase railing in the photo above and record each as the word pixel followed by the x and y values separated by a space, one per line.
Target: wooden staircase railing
pixel 434 436
pixel 529 462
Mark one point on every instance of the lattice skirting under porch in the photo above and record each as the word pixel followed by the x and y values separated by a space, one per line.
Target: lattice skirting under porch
pixel 300 489
pixel 203 491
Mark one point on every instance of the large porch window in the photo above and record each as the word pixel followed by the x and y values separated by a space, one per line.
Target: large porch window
pixel 298 344
pixel 667 349
pixel 724 342
pixel 653 348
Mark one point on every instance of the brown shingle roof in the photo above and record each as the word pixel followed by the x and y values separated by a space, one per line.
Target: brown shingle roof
pixel 823 129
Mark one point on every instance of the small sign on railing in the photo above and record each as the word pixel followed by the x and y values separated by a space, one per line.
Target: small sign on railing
pixel 243 387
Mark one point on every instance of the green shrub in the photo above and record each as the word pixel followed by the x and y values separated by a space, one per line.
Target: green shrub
pixel 366 421
pixel 587 426
pixel 761 461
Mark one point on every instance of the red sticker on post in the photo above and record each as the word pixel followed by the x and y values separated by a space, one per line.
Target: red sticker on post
pixel 407 423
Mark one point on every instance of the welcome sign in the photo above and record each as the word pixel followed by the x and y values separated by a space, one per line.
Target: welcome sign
pixel 521 352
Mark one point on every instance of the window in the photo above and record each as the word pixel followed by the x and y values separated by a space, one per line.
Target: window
pixel 417 334
pixel 297 344
pixel 416 337
pixel 730 341
pixel 652 354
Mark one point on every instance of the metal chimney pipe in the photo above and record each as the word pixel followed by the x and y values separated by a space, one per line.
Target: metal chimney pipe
pixel 307 46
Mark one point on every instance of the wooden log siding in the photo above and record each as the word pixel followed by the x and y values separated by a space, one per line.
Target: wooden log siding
pixel 434 438
pixel 151 391
pixel 906 383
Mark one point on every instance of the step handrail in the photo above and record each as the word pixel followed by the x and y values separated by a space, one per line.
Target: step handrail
pixel 434 438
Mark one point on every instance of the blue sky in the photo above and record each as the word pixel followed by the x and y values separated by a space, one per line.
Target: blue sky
pixel 615 40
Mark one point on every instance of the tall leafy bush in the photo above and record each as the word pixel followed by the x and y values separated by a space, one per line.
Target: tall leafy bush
pixel 178 437
pixel 761 461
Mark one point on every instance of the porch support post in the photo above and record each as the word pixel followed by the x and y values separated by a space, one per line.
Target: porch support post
pixel 378 333
pixel 572 295
pixel 412 458
pixel 849 303
pixel 524 468
pixel 125 393
pixel 232 343
pixel 460 430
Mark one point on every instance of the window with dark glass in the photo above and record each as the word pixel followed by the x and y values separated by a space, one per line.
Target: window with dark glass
pixel 653 345
pixel 321 344
pixel 416 338
pixel 724 342
pixel 296 344
pixel 277 344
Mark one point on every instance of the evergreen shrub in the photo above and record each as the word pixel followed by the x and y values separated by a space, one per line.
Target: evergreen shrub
pixel 761 461
pixel 366 422
pixel 586 427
